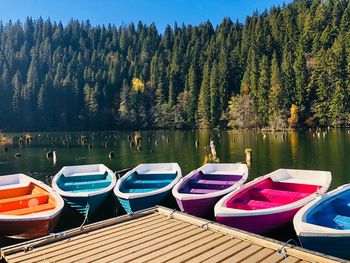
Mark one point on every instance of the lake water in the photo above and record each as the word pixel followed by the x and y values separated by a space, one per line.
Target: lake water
pixel 328 150
pixel 303 150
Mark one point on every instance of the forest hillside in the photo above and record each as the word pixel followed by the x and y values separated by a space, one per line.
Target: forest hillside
pixel 288 66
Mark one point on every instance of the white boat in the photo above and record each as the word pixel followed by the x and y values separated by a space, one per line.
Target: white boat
pixel 28 207
pixel 84 187
pixel 323 225
pixel 272 200
pixel 146 185
pixel 199 191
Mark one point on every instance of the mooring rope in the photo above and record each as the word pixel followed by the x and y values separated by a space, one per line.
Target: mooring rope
pixel 86 215
pixel 281 249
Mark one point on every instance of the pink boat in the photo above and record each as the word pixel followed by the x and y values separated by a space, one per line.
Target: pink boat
pixel 271 201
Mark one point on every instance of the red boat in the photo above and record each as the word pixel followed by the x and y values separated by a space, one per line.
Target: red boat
pixel 28 208
pixel 272 200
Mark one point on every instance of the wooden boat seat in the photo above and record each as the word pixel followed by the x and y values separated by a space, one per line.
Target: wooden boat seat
pixel 14 192
pixel 14 203
pixel 218 177
pixel 256 204
pixel 208 184
pixel 93 185
pixel 140 190
pixel 160 181
pixel 246 204
pixel 153 176
pixel 197 191
pixel 154 184
pixel 273 195
pixel 343 222
pixel 30 210
pixel 211 182
pixel 83 177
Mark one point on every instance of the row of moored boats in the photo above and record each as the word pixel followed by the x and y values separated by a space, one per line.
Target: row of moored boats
pixel 30 208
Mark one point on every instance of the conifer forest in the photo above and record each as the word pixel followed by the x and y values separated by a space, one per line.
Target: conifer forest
pixel 288 66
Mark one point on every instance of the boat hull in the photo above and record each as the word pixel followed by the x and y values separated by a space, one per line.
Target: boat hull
pixel 259 224
pixel 334 246
pixel 135 204
pixel 198 207
pixel 28 229
pixel 80 204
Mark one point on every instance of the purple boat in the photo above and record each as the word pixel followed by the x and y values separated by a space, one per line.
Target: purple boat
pixel 200 190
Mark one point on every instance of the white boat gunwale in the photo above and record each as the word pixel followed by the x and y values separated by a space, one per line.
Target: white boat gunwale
pixel 184 196
pixel 175 169
pixel 44 215
pixel 220 210
pixel 101 168
pixel 302 228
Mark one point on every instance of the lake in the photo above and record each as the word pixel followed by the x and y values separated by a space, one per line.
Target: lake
pixel 303 150
pixel 327 150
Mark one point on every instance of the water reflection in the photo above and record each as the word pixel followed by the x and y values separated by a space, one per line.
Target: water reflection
pixel 303 150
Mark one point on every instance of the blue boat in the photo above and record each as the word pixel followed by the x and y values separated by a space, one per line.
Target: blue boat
pixel 324 224
pixel 84 187
pixel 146 185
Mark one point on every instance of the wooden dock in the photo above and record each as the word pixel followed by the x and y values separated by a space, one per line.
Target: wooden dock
pixel 157 235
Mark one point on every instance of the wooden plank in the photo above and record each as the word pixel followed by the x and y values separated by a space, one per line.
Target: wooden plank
pixel 167 253
pixel 274 258
pixel 214 251
pixel 185 257
pixel 85 237
pixel 120 241
pixel 158 236
pixel 291 260
pixel 228 253
pixel 140 252
pixel 124 248
pixel 253 238
pixel 244 254
pixel 91 240
pixel 260 255
pixel 73 232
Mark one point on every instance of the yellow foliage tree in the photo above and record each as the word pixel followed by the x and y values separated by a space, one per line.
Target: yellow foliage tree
pixel 293 120
pixel 138 85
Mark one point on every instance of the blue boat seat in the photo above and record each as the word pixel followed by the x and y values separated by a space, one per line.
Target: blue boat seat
pixel 84 186
pixel 343 222
pixel 324 219
pixel 139 190
pixel 85 178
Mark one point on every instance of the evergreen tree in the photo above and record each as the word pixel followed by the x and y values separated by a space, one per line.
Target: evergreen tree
pixel 204 112
pixel 214 96
pixel 337 71
pixel 301 82
pixel 192 87
pixel 263 90
pixel 277 102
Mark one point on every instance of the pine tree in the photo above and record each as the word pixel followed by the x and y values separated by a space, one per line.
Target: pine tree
pixel 214 96
pixel 192 84
pixel 288 78
pixel 301 82
pixel 263 90
pixel 17 89
pixel 337 71
pixel 277 102
pixel 204 99
pixel 222 81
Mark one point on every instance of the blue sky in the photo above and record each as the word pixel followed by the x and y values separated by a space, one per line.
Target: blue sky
pixel 117 12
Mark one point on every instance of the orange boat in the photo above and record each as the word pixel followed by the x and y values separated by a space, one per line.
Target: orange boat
pixel 28 207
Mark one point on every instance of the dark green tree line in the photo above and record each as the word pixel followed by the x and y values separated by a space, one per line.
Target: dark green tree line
pixel 79 76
